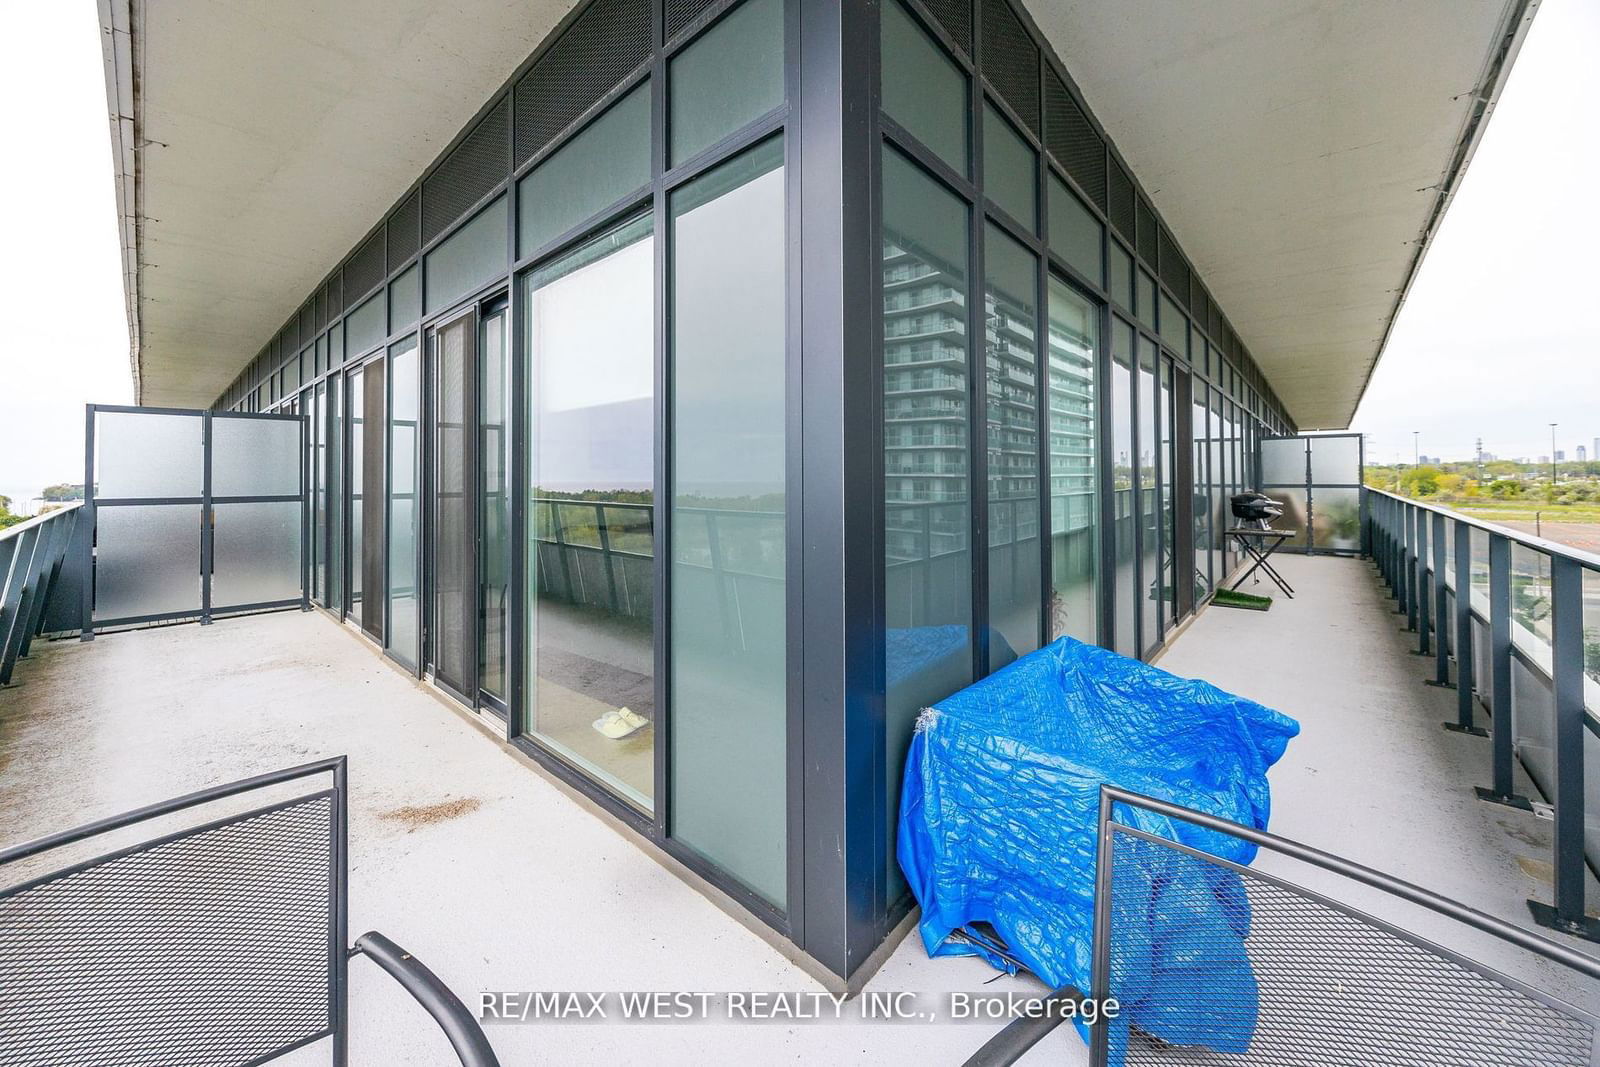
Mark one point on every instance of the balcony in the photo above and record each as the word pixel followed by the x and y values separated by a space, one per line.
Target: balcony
pixel 501 877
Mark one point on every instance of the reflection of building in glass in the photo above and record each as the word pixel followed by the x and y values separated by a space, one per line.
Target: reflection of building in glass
pixel 1071 396
pixel 1010 345
pixel 925 407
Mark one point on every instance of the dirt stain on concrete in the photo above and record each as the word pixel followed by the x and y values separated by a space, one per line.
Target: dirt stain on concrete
pixel 413 816
pixel 1539 870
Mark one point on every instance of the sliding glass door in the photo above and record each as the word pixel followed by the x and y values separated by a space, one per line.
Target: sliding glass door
pixel 591 462
pixel 453 521
pixel 494 506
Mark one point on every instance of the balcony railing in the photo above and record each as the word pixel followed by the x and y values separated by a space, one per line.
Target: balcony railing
pixel 1510 610
pixel 31 555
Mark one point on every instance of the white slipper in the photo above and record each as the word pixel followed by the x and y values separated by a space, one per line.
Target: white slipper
pixel 616 724
pixel 633 718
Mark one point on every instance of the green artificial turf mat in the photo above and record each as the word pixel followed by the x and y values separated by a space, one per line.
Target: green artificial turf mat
pixel 1230 598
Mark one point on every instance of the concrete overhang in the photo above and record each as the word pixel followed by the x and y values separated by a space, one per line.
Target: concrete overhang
pixel 1302 152
pixel 256 142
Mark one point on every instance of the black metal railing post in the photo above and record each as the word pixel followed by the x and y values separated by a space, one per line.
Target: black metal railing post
pixel 1566 683
pixel 1504 737
pixel 13 598
pixel 55 545
pixel 1391 564
pixel 1465 669
pixel 1439 601
pixel 1408 580
pixel 1419 591
pixel 1383 541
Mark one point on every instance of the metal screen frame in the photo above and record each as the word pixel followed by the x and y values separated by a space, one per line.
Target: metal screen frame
pixel 206 501
pixel 1311 485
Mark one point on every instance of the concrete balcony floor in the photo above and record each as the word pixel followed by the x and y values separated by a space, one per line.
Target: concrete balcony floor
pixel 500 879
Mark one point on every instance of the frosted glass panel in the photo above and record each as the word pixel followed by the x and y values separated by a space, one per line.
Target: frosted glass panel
pixel 923 89
pixel 1336 461
pixel 1336 518
pixel 147 561
pixel 1295 507
pixel 467 259
pixel 365 325
pixel 1075 234
pixel 255 457
pixel 257 553
pixel 1283 461
pixel 733 74
pixel 405 299
pixel 1009 167
pixel 598 167
pixel 139 454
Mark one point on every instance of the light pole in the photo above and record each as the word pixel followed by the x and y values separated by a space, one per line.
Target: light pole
pixel 1552 456
pixel 1416 458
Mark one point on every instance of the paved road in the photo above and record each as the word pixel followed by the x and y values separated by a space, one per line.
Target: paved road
pixel 1584 535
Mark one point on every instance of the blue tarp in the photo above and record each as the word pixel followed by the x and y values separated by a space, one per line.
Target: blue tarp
pixel 998 823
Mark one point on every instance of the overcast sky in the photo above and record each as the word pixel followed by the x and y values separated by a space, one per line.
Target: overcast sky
pixel 1497 339
pixel 66 341
pixel 1499 336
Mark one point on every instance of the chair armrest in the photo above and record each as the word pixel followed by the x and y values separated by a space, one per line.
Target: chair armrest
pixel 466 1036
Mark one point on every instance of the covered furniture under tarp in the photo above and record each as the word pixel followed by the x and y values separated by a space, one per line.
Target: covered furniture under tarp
pixel 998 820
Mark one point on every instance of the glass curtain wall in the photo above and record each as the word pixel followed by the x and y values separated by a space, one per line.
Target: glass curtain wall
pixel 494 461
pixel 729 643
pixel 1221 517
pixel 1125 603
pixel 927 495
pixel 374 428
pixel 356 391
pixel 405 420
pixel 1167 457
pixel 334 435
pixel 1074 493
pixel 453 536
pixel 1149 477
pixel 316 431
pixel 1011 348
pixel 619 304
pixel 590 346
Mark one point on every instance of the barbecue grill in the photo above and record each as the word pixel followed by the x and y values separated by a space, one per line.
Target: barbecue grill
pixel 1255 507
pixel 1255 536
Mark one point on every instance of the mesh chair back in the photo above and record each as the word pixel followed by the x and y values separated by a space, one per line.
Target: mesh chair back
pixel 1215 963
pixel 218 944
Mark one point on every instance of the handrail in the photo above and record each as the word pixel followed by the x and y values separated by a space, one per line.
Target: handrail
pixel 1411 542
pixel 40 519
pixel 1356 872
pixel 1538 544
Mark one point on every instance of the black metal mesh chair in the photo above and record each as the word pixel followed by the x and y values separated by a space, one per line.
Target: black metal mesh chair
pixel 1214 963
pixel 220 943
